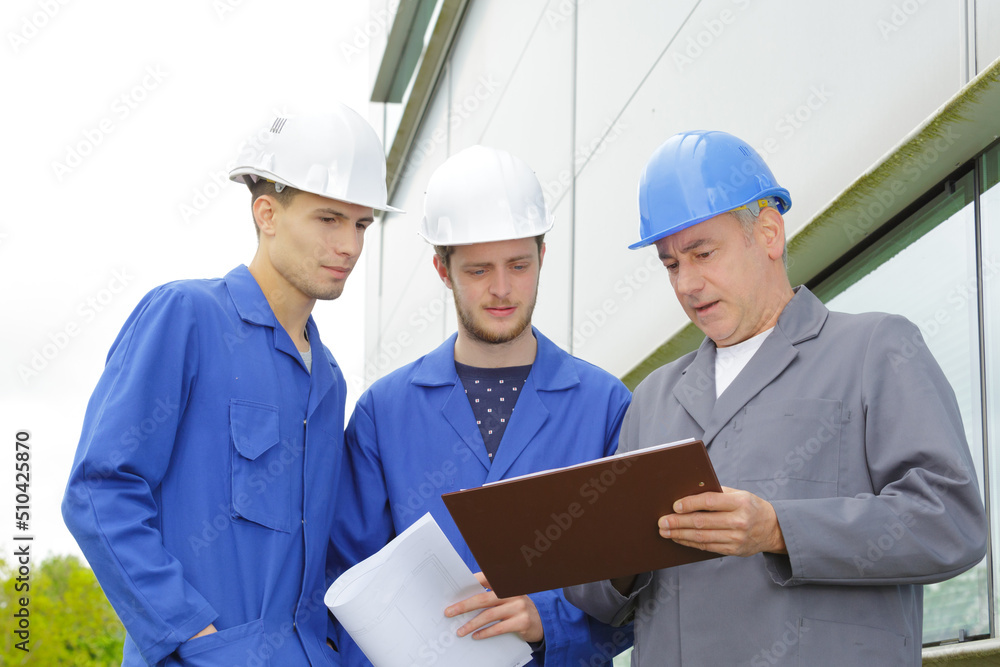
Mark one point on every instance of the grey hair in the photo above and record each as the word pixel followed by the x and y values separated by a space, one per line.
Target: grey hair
pixel 746 218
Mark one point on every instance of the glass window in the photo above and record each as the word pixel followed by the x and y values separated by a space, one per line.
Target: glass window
pixel 925 270
pixel 990 229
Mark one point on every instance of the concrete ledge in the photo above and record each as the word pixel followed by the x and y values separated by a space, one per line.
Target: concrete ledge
pixel 977 653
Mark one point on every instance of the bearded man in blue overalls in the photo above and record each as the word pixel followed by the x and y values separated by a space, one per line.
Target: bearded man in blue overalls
pixel 496 400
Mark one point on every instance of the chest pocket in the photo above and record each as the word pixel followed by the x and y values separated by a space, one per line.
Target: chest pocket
pixel 791 448
pixel 261 489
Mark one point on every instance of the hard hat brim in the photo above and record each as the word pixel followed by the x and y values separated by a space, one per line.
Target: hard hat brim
pixel 501 236
pixel 784 203
pixel 237 174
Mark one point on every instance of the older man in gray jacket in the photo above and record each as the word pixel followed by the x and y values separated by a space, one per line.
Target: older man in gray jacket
pixel 840 435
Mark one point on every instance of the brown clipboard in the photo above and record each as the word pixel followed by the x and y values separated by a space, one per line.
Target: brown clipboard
pixel 584 523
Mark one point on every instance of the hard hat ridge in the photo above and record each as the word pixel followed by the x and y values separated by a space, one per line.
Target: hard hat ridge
pixel 334 154
pixel 480 195
pixel 696 175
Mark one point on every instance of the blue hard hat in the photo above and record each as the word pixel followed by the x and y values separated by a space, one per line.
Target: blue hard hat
pixel 698 175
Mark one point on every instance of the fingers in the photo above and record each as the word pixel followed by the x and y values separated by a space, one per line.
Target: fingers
pixel 481 578
pixel 517 615
pixel 483 619
pixel 478 601
pixel 720 520
pixel 711 501
pixel 731 523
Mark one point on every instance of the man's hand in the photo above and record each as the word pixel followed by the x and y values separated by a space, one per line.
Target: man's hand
pixel 207 631
pixel 732 523
pixel 511 615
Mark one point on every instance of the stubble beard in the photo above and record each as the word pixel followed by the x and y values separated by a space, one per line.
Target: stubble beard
pixel 483 334
pixel 313 288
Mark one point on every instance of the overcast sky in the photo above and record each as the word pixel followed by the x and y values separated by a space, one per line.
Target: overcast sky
pixel 122 119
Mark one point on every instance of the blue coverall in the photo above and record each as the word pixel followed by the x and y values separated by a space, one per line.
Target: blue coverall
pixel 202 489
pixel 413 437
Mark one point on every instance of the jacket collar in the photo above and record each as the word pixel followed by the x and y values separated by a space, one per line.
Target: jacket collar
pixel 249 299
pixel 253 308
pixel 552 370
pixel 802 319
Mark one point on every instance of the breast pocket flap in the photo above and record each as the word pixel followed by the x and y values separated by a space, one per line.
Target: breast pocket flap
pixel 254 427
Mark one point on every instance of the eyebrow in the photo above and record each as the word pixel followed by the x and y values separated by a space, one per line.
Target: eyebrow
pixel 339 214
pixel 688 248
pixel 519 258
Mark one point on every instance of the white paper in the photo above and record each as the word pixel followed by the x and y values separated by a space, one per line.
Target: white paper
pixel 393 603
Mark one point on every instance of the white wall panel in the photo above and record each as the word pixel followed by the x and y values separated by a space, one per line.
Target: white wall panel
pixel 551 315
pixel 412 304
pixel 532 121
pixel 987 32
pixel 823 95
pixel 618 44
pixel 484 59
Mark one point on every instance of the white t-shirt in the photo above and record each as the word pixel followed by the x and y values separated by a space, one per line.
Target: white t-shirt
pixel 729 361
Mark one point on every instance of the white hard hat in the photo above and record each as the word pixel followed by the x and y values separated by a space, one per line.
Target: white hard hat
pixel 480 195
pixel 335 154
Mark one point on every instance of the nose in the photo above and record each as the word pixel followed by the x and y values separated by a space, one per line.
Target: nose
pixel 687 280
pixel 348 241
pixel 500 286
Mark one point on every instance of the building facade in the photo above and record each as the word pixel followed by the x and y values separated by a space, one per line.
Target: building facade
pixel 880 117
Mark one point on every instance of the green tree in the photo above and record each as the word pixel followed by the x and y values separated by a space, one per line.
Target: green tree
pixel 72 623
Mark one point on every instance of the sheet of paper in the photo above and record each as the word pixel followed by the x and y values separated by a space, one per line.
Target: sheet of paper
pixel 393 603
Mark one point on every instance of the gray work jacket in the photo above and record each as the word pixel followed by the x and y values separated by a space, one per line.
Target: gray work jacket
pixel 848 426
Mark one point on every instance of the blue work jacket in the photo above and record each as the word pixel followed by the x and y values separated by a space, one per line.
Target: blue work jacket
pixel 413 437
pixel 202 487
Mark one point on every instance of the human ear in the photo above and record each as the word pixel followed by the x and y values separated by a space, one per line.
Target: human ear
pixel 770 229
pixel 264 208
pixel 442 271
